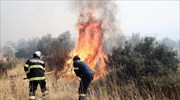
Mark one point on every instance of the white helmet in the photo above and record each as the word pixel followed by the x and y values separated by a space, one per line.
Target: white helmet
pixel 37 54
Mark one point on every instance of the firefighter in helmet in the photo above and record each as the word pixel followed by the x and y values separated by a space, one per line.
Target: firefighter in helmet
pixel 83 71
pixel 35 72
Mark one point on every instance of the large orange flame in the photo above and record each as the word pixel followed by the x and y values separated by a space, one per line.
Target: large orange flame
pixel 90 44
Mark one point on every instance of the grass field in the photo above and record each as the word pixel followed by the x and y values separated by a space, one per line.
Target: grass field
pixel 14 87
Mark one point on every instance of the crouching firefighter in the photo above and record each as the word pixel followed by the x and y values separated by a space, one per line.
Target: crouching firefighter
pixel 83 71
pixel 35 72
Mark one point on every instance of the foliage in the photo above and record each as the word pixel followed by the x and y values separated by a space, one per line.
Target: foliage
pixel 47 45
pixel 55 50
pixel 58 59
pixel 8 60
pixel 2 67
pixel 135 39
pixel 149 66
pixel 169 43
pixel 61 47
pixel 146 58
pixel 44 44
pixel 28 49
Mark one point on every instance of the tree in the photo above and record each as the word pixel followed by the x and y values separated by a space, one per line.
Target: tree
pixel 27 48
pixel 129 61
pixel 60 49
pixel 135 39
pixel 63 41
pixel 21 43
pixel 44 44
pixel 9 59
pixel 169 42
pixel 146 58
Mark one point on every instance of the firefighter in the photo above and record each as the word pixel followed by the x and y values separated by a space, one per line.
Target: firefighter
pixel 83 71
pixel 35 72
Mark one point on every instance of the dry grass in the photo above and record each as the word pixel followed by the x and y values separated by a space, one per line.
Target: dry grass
pixel 15 88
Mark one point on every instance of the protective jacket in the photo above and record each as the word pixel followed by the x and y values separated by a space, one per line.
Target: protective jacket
pixel 35 69
pixel 82 70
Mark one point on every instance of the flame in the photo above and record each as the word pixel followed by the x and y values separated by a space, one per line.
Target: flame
pixel 90 43
pixel 96 21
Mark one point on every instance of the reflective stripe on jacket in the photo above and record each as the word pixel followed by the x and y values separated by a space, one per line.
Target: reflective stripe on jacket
pixel 34 69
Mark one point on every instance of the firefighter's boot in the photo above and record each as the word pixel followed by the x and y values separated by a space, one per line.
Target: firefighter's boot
pixel 82 96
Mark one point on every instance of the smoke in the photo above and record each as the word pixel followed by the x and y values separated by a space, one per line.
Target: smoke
pixel 103 10
pixel 106 11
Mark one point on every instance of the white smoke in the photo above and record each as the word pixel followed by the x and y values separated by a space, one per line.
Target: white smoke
pixel 106 11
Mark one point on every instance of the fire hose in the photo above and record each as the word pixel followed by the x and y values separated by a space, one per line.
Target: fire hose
pixel 46 73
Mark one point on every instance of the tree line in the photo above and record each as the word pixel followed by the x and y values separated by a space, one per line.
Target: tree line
pixel 54 49
pixel 137 56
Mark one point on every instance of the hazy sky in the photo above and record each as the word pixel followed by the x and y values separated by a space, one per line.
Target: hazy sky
pixel 27 19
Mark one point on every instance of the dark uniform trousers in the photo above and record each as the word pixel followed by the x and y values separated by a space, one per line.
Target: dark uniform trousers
pixel 84 83
pixel 33 87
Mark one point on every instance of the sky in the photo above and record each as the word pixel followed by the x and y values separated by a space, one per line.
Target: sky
pixel 29 19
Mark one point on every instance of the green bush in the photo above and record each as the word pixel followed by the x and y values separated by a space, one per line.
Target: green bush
pixel 146 58
pixel 149 67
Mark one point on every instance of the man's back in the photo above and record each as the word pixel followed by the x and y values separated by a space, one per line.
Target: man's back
pixel 83 68
pixel 36 68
